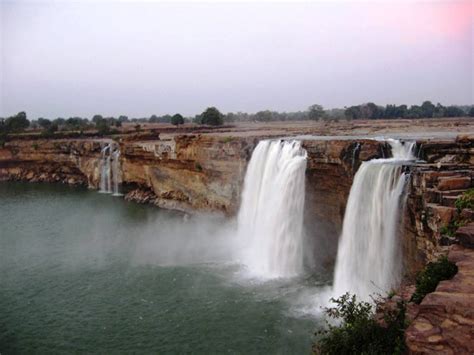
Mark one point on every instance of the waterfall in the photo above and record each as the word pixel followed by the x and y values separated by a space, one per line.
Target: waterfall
pixel 368 258
pixel 109 168
pixel 116 171
pixel 104 169
pixel 270 219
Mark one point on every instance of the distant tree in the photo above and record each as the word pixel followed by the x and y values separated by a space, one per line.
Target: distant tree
pixel 123 118
pixel 316 112
pixel 177 119
pixel 415 111
pixel 428 109
pixel 264 116
pixel 197 119
pixel 44 123
pixel 454 111
pixel 212 116
pixel 97 118
pixel 17 123
pixel 102 125
pixel 439 111
pixel 59 121
pixel 372 111
pixel 153 119
pixel 353 112
pixel 471 112
pixel 231 117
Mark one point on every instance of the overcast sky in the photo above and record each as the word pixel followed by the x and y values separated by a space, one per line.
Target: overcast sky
pixel 77 59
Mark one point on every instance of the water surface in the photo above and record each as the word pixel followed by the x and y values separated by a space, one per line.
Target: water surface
pixel 86 272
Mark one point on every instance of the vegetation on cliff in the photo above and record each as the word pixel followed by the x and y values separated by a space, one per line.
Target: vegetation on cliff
pixel 429 278
pixel 466 200
pixel 358 332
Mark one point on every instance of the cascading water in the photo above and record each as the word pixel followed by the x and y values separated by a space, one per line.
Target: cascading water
pixel 368 258
pixel 270 219
pixel 116 171
pixel 104 169
pixel 109 167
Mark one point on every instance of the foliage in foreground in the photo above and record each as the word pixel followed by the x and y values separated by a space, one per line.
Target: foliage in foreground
pixel 358 332
pixel 432 274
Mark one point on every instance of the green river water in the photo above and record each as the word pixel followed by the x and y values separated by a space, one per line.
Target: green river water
pixel 83 272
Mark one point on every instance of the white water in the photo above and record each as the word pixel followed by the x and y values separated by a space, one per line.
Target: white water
pixel 116 171
pixel 109 168
pixel 270 220
pixel 368 258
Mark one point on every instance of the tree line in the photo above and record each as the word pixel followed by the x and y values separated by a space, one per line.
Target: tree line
pixel 213 117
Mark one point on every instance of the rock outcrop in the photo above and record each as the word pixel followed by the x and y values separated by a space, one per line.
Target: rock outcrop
pixel 444 322
pixel 71 161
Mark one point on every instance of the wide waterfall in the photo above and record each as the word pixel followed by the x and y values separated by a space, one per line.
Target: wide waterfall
pixel 109 167
pixel 270 220
pixel 368 258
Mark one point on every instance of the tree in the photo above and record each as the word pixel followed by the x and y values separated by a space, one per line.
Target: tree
pixel 439 111
pixel 17 123
pixel 123 118
pixel 44 123
pixel 471 112
pixel 102 126
pixel 454 111
pixel 177 119
pixel 315 112
pixel 212 116
pixel 264 116
pixel 97 118
pixel 428 109
pixel 415 111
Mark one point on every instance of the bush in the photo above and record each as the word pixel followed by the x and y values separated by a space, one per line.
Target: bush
pixel 451 228
pixel 428 279
pixel 466 200
pixel 359 332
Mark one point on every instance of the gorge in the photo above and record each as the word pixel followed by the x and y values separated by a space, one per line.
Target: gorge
pixel 285 201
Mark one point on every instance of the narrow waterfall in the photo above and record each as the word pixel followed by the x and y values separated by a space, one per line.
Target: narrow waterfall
pixel 109 168
pixel 104 169
pixel 270 219
pixel 368 258
pixel 116 171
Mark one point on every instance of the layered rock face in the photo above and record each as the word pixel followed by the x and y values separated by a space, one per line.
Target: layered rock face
pixel 433 189
pixel 75 162
pixel 188 172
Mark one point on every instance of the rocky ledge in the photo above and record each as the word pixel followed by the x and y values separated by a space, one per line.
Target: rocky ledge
pixel 444 321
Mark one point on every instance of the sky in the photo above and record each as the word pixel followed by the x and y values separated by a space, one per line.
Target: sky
pixel 63 59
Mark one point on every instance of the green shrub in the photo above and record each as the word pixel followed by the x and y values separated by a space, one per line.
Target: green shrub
pixel 466 200
pixel 227 139
pixel 358 332
pixel 198 167
pixel 35 146
pixel 431 275
pixel 452 227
